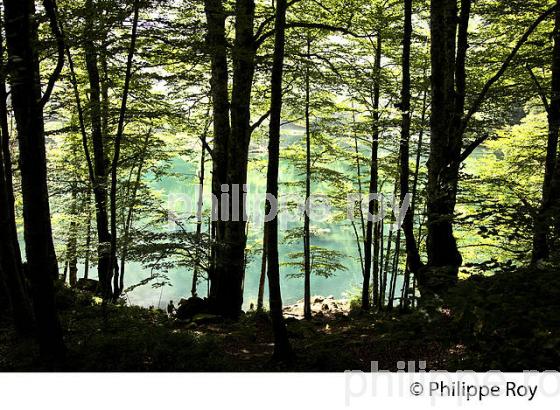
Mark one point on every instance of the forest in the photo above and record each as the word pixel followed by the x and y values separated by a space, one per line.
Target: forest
pixel 279 185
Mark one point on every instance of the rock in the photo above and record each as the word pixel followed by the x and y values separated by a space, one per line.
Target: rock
pixel 320 307
pixel 87 285
pixel 191 307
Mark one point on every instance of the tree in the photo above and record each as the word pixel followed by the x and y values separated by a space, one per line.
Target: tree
pixel 413 261
pixel 99 164
pixel 306 227
pixel 231 148
pixel 282 349
pixel 449 122
pixel 10 256
pixel 541 246
pixel 372 240
pixel 27 101
pixel 117 288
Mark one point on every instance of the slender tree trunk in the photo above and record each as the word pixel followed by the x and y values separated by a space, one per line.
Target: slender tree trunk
pixel 377 248
pixel 414 202
pixel 306 228
pixel 117 151
pixel 282 349
pixel 130 214
pixel 65 272
pixel 385 269
pixel 412 254
pixel 72 246
pixel 381 239
pixel 199 210
pixel 87 155
pixel 21 35
pixel 541 247
pixel 373 182
pixel 99 182
pixel 262 278
pixel 88 236
pixel 394 271
pixel 359 239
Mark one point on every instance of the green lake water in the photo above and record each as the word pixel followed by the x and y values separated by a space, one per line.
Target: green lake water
pixel 338 236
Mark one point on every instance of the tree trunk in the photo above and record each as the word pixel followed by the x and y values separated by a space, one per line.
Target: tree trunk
pixel 448 89
pixel 449 120
pixel 359 239
pixel 88 236
pixel 199 211
pixel 71 249
pixel 414 201
pixel 10 260
pixel 231 150
pixel 262 278
pixel 541 247
pixel 21 34
pixel 232 255
pixel 380 232
pixel 217 45
pixel 5 146
pixel 394 272
pixel 385 269
pixel 117 151
pixel 5 305
pixel 10 254
pixel 282 349
pixel 412 254
pixel 99 183
pixel 306 229
pixel 373 181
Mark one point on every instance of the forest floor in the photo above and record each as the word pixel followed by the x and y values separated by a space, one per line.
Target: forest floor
pixel 508 322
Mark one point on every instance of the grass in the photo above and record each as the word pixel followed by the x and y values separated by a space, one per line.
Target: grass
pixel 506 322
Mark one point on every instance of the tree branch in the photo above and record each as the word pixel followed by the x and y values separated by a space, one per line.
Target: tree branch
pixel 51 10
pixel 270 19
pixel 482 95
pixel 260 121
pixel 471 147
pixel 539 88
pixel 305 24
